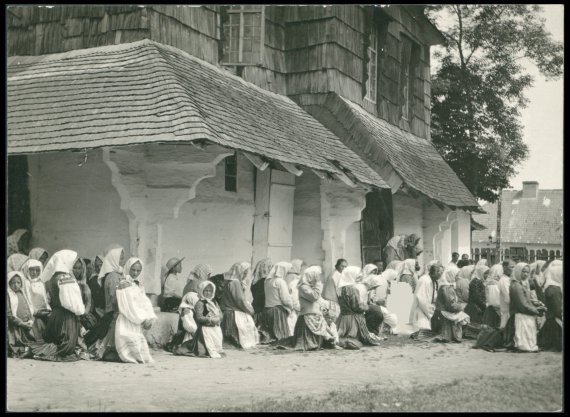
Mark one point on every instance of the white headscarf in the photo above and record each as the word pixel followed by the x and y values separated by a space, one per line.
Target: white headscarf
pixel 61 261
pixel 15 262
pixel 553 274
pixel 348 276
pixel 13 297
pixel 367 270
pixel 34 285
pixel 495 274
pixel 279 270
pixel 127 270
pixel 212 307
pixel 311 276
pixel 111 263
pixel 450 273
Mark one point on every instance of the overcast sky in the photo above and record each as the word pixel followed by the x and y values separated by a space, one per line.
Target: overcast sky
pixel 542 120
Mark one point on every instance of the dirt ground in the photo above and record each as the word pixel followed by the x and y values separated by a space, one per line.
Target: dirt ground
pixel 194 384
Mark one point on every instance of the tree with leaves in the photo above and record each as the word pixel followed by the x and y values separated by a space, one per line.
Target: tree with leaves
pixel 478 91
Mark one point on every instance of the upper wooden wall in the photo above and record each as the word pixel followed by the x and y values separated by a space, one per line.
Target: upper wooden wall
pixel 308 49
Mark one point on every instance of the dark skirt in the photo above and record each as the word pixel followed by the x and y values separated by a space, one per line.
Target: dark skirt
pixel 550 336
pixel 170 305
pixel 100 329
pixel 352 331
pixel 229 328
pixel 509 333
pixel 304 339
pixel 450 331
pixel 490 339
pixel 491 317
pixel 274 322
pixel 471 331
pixel 19 341
pixel 474 312
pixel 374 318
pixel 60 337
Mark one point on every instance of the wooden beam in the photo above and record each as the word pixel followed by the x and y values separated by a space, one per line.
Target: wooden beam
pixel 257 161
pixel 291 168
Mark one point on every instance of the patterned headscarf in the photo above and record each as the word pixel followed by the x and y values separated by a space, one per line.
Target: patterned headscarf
pixel 15 262
pixel 61 261
pixel 237 271
pixel 279 270
pixel 311 276
pixel 14 240
pixel 37 253
pixel 201 272
pixel 262 270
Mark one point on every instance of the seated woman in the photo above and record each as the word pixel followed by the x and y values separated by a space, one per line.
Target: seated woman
pixel 135 314
pixel 63 325
pixel 207 340
pixel 260 273
pixel 448 317
pixel 550 335
pixel 101 338
pixel 352 329
pixel 238 326
pixel 173 286
pixel 492 315
pixel 521 331
pixel 20 318
pixel 39 254
pixel 278 303
pixel 312 331
pixel 35 290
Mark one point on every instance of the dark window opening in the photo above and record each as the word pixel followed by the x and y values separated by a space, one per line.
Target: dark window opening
pixel 18 194
pixel 231 173
pixel 377 225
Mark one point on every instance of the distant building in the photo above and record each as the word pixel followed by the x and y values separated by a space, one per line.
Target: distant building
pixel 531 226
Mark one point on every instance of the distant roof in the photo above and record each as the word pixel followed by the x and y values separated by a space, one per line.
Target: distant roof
pixel 524 220
pixel 399 156
pixel 145 92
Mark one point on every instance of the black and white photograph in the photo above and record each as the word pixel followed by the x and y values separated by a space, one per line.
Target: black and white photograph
pixel 284 208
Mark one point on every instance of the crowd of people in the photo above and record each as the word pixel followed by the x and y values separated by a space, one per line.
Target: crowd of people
pixel 64 308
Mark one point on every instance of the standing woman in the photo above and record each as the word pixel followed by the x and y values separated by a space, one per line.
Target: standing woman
pixel 135 313
pixel 238 326
pixel 278 302
pixel 103 338
pixel 477 302
pixel 352 329
pixel 35 291
pixel 550 335
pixel 292 279
pixel 492 315
pixel 260 273
pixel 39 254
pixel 20 318
pixel 63 325
pixel 521 330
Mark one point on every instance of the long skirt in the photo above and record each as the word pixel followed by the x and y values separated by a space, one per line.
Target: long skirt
pixel 491 317
pixel 19 341
pixel 490 339
pixel 275 323
pixel 100 330
pixel 450 331
pixel 106 349
pixel 525 333
pixel 310 334
pixel 206 343
pixel 509 333
pixel 239 329
pixel 374 318
pixel 550 335
pixel 474 312
pixel 353 332
pixel 131 345
pixel 60 338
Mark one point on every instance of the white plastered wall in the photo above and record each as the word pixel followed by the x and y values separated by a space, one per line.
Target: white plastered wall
pixel 74 207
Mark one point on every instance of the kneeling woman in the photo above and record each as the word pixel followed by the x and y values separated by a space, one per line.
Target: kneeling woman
pixel 238 325
pixel 207 340
pixel 20 318
pixel 353 300
pixel 135 313
pixel 449 317
pixel 63 325
pixel 278 303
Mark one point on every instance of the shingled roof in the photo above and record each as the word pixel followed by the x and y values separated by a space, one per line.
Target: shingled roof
pixel 145 92
pixel 524 220
pixel 399 156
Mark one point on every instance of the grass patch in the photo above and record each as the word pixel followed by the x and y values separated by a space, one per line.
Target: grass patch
pixel 539 393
